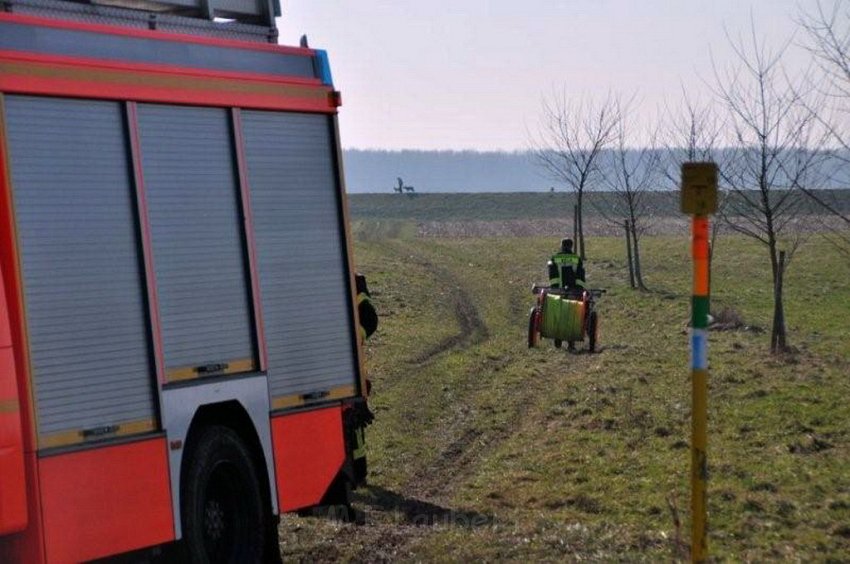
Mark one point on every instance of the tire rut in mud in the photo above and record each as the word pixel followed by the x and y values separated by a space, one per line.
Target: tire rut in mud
pixel 433 486
pixel 471 327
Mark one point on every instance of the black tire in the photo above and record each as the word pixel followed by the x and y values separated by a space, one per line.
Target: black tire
pixel 226 517
pixel 593 332
pixel 558 343
pixel 533 335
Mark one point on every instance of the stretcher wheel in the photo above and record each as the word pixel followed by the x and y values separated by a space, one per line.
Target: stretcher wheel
pixel 533 327
pixel 593 331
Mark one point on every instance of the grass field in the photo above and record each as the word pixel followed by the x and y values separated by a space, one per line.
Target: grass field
pixel 517 205
pixel 485 450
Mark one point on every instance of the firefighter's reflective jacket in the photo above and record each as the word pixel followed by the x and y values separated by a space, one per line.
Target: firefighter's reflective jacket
pixel 365 310
pixel 566 271
pixel 368 318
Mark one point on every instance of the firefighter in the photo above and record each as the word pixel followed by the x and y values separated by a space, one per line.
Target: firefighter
pixel 566 269
pixel 368 324
pixel 365 309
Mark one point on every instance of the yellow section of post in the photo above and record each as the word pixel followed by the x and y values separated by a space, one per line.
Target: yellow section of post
pixel 699 470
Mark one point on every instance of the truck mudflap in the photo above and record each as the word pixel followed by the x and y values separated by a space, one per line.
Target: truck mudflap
pixel 13 500
pixel 309 455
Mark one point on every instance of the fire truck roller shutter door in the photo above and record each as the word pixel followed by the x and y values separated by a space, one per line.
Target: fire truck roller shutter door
pixel 301 253
pixel 81 268
pixel 198 245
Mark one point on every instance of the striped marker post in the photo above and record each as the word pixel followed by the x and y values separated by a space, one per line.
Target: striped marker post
pixel 699 382
pixel 699 199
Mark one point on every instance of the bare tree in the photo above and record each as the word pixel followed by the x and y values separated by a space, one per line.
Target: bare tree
pixel 777 150
pixel 629 171
pixel 692 133
pixel 572 135
pixel 827 30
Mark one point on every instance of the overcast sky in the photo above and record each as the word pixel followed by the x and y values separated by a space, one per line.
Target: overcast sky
pixel 470 74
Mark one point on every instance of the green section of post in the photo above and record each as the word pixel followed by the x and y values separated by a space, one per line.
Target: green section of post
pixel 699 311
pixel 699 198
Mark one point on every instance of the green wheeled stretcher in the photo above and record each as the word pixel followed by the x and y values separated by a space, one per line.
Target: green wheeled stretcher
pixel 564 315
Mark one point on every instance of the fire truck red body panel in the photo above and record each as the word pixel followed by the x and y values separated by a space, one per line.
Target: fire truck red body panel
pixel 86 493
pixel 106 500
pixel 13 503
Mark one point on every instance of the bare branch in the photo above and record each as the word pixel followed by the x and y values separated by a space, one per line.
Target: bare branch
pixel 571 137
pixel 827 30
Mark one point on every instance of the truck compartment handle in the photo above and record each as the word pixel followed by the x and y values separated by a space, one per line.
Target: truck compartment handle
pixel 312 396
pixel 210 368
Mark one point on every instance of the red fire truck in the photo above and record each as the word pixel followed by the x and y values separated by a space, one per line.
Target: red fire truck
pixel 178 349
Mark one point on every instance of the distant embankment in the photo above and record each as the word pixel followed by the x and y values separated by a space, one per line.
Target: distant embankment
pixel 517 214
pixel 459 207
pixel 525 205
pixel 443 171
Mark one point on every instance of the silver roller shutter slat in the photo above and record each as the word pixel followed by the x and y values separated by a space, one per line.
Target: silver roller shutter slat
pixel 75 213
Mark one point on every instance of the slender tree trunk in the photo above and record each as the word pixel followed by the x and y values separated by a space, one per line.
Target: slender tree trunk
pixel 638 272
pixel 777 337
pixel 629 254
pixel 575 224
pixel 777 267
pixel 580 242
pixel 715 230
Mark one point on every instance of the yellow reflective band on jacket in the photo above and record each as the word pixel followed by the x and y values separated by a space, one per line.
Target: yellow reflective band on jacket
pixel 362 297
pixel 564 259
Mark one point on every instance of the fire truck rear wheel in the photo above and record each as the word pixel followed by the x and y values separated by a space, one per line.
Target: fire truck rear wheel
pixel 224 514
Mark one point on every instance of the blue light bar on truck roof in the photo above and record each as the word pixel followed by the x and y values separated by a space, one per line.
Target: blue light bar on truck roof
pixel 323 68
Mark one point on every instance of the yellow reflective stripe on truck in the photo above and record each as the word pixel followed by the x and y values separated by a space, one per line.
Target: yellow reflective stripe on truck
pixel 67 438
pixel 227 367
pixel 298 400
